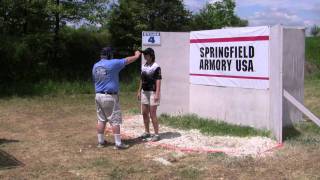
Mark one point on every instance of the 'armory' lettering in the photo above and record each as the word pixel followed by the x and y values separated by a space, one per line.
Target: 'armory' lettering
pixel 220 65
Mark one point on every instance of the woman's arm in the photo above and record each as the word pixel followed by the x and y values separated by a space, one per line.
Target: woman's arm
pixel 158 87
pixel 139 90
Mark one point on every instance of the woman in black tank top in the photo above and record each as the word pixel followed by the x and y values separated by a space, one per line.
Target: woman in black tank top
pixel 149 94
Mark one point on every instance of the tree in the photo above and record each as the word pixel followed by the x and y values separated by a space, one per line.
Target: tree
pixel 76 11
pixel 217 15
pixel 315 30
pixel 24 26
pixel 21 17
pixel 31 45
pixel 128 18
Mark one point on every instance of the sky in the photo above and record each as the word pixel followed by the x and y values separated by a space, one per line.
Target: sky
pixel 304 13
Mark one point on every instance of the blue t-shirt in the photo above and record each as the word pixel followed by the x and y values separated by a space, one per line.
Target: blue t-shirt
pixel 105 75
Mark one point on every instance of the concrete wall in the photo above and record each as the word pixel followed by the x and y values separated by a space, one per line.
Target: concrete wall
pixel 287 56
pixel 173 57
pixel 233 105
pixel 275 90
pixel 257 108
pixel 293 72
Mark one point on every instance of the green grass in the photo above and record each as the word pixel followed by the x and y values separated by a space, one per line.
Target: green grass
pixel 303 133
pixel 307 132
pixel 313 50
pixel 130 85
pixel 190 173
pixel 312 68
pixel 211 127
pixel 57 88
pixel 312 95
pixel 46 88
pixel 217 155
pixel 102 162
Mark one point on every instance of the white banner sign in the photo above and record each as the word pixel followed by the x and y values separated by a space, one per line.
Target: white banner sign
pixel 233 57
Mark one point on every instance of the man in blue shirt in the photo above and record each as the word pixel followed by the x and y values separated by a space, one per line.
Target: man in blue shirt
pixel 106 80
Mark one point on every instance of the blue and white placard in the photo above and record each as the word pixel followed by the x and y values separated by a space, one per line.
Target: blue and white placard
pixel 151 38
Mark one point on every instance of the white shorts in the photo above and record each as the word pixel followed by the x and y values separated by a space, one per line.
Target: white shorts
pixel 108 108
pixel 147 97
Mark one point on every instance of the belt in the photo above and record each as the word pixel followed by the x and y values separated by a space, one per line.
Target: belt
pixel 110 93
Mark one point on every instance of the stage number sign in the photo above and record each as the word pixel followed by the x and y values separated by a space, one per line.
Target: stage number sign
pixel 151 38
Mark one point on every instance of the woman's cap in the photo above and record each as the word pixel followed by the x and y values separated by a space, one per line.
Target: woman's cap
pixel 148 51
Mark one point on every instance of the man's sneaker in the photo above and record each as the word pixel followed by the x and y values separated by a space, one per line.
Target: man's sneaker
pixel 145 135
pixel 102 145
pixel 121 146
pixel 156 137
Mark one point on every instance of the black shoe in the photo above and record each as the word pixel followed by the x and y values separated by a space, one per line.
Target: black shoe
pixel 155 138
pixel 145 135
pixel 102 145
pixel 121 146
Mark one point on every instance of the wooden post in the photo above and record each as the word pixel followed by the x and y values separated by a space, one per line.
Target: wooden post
pixel 301 107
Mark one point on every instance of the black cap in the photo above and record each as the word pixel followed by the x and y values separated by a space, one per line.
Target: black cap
pixel 148 51
pixel 107 51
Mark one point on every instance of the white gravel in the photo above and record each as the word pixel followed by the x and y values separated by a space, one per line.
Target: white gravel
pixel 193 140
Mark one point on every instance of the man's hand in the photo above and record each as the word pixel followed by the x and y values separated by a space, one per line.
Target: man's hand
pixel 137 53
pixel 131 59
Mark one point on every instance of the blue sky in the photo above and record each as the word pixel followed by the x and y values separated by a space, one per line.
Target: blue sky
pixel 270 12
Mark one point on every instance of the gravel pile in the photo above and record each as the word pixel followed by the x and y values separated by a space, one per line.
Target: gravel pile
pixel 194 141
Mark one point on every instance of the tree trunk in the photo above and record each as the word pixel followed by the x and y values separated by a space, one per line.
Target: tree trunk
pixel 57 23
pixel 56 34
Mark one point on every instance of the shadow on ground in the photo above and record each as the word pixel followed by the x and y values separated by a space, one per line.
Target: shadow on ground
pixel 7 161
pixel 169 135
pixel 290 133
pixel 133 141
pixel 165 135
pixel 4 141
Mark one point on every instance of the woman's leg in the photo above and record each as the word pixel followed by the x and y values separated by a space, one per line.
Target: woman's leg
pixel 146 119
pixel 155 123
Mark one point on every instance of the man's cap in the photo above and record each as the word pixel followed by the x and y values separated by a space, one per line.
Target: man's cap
pixel 148 51
pixel 106 51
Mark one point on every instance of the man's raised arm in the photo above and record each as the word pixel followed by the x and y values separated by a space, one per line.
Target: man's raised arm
pixel 131 59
